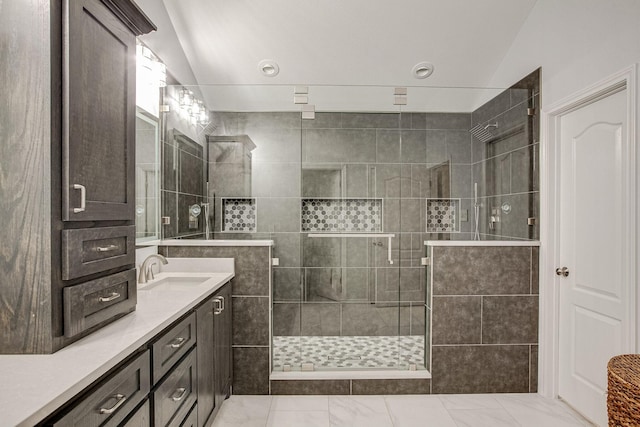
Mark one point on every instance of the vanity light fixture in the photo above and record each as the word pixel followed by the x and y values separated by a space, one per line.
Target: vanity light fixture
pixel 151 65
pixel 193 108
pixel 422 70
pixel 268 68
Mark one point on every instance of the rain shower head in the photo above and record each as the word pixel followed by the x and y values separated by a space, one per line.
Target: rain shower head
pixel 483 131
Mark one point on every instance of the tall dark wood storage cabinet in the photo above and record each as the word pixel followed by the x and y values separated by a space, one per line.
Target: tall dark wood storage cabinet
pixel 67 252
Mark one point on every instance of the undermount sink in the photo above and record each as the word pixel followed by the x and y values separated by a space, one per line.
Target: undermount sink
pixel 173 282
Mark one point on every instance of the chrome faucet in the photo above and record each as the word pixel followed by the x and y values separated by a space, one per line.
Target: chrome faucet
pixel 146 269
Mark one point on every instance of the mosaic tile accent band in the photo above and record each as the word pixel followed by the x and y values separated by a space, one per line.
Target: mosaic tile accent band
pixel 338 215
pixel 239 215
pixel 443 215
pixel 359 352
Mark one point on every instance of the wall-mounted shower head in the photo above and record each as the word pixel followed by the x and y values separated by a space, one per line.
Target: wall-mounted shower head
pixel 483 131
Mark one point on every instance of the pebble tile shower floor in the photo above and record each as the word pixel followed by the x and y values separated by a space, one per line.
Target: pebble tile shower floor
pixel 358 352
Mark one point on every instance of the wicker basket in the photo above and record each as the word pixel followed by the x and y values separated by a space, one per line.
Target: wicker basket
pixel 623 398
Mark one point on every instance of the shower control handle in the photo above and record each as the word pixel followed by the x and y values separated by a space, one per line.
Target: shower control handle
pixel 564 271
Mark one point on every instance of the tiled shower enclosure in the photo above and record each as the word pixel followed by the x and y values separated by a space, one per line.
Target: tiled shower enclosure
pixel 349 198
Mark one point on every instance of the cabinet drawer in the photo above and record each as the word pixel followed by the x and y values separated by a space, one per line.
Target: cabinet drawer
pixel 192 418
pixel 111 401
pixel 142 417
pixel 92 250
pixel 175 396
pixel 97 301
pixel 171 346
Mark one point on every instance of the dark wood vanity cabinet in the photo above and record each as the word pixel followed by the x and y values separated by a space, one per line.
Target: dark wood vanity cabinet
pixel 99 101
pixel 98 164
pixel 214 354
pixel 69 243
pixel 179 378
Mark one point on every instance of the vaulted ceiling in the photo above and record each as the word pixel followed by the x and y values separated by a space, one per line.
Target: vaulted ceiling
pixel 335 42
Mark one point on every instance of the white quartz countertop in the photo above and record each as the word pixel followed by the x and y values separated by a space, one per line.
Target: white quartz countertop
pixel 213 242
pixel 34 386
pixel 482 243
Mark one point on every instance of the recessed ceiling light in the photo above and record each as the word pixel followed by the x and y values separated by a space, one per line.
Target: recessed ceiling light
pixel 422 70
pixel 268 67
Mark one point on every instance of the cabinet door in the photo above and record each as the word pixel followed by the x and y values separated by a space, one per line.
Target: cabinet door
pixel 223 368
pixel 99 54
pixel 205 360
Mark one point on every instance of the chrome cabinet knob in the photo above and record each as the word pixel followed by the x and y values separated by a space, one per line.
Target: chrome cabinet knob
pixel 564 271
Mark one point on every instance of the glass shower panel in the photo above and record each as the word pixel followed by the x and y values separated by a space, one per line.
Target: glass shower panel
pixel 350 217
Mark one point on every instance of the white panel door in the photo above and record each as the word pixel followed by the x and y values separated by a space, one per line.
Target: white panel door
pixel 594 314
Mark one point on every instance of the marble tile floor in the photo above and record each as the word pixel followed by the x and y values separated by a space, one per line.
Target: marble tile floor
pixel 478 410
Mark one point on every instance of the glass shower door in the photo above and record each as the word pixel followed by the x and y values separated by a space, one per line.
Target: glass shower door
pixel 350 315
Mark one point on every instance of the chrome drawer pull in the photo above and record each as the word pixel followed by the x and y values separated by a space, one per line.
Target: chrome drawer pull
pixel 83 198
pixel 179 394
pixel 178 342
pixel 120 399
pixel 111 297
pixel 106 248
pixel 219 305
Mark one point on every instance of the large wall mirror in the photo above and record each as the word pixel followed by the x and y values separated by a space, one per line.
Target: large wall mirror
pixel 147 178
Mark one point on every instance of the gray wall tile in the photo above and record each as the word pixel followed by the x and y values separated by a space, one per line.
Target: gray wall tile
pixel 381 387
pixel 459 146
pixel 321 182
pixel 287 284
pixel 276 145
pixel 436 146
pixel 414 146
pixel 457 320
pixel 310 387
pixel 509 319
pixel 339 146
pixel 367 319
pixel 324 120
pixel 412 284
pixel 321 319
pixel 448 121
pixel 251 370
pixel 250 320
pixel 481 270
pixel 358 177
pixel 535 266
pixel 275 180
pixel 388 146
pixel 533 370
pixel 480 369
pixel 321 252
pixel 286 319
pixel 268 120
pixel 287 248
pixel 371 120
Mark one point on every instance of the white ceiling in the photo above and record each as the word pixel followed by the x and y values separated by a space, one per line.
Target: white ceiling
pixel 339 42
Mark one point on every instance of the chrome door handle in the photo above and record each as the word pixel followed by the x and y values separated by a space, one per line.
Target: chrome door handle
pixel 120 399
pixel 564 271
pixel 178 342
pixel 179 394
pixel 83 198
pixel 111 297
